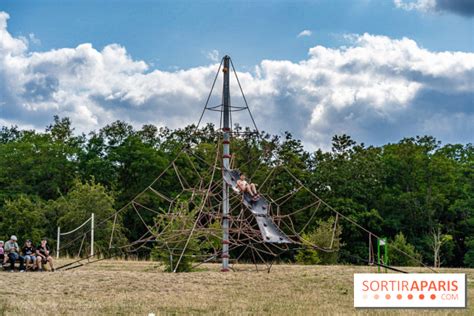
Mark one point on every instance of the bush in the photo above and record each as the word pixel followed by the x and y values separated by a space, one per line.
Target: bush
pixel 397 258
pixel 172 234
pixel 307 256
pixel 321 237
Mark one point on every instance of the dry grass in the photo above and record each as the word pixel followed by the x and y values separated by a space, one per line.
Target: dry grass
pixel 118 287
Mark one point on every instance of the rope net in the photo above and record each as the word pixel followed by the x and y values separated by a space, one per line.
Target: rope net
pixel 179 215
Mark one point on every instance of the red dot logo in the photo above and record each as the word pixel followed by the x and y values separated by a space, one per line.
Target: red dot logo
pixel 422 296
pixel 410 296
pixel 376 296
pixel 387 296
pixel 433 296
pixel 399 296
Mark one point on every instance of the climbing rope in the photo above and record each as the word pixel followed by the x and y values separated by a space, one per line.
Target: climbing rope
pixel 244 231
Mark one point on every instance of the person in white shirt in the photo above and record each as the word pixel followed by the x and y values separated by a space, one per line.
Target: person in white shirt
pixel 13 251
pixel 245 186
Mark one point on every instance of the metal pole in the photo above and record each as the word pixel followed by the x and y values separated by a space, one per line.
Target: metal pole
pixel 92 234
pixel 382 258
pixel 225 162
pixel 378 255
pixel 57 242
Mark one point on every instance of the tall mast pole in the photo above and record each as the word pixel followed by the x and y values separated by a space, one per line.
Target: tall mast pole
pixel 225 163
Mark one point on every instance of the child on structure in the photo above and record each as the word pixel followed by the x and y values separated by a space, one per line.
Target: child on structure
pixel 250 188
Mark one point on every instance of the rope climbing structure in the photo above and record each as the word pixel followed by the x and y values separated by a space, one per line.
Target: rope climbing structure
pixel 194 209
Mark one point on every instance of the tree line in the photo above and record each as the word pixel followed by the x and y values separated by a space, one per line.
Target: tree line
pixel 417 192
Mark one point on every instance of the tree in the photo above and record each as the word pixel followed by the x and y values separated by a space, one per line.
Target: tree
pixel 469 256
pixel 41 164
pixel 179 242
pixel 24 217
pixel 412 186
pixel 350 179
pixel 327 237
pixel 402 253
pixel 94 161
pixel 9 134
pixel 61 130
pixel 76 207
pixel 437 240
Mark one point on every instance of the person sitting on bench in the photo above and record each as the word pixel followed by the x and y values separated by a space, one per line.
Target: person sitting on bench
pixel 12 249
pixel 250 188
pixel 43 256
pixel 2 254
pixel 29 257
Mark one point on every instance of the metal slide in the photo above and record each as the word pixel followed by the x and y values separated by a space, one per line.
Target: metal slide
pixel 259 208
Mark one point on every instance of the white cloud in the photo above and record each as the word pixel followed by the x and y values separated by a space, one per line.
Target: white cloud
pixel 8 44
pixel 33 39
pixel 420 5
pixel 304 33
pixel 461 7
pixel 213 55
pixel 377 89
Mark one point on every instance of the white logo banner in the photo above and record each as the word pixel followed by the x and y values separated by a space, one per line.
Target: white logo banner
pixel 425 290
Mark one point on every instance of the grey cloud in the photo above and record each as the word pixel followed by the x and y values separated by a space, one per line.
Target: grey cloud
pixel 462 7
pixel 40 89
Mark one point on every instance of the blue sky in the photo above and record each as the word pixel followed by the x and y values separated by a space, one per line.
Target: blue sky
pixel 376 70
pixel 180 33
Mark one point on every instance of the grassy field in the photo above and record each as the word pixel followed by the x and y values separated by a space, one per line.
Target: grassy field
pixel 140 288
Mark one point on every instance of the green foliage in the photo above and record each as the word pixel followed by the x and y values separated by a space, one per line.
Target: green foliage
pixel 411 186
pixel 397 258
pixel 76 207
pixel 469 256
pixel 24 217
pixel 307 256
pixel 326 236
pixel 447 249
pixel 177 236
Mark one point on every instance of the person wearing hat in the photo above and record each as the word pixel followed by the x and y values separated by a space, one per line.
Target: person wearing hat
pixel 12 249
pixel 29 253
pixel 43 256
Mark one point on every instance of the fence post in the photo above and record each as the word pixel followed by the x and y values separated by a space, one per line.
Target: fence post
pixel 92 234
pixel 57 242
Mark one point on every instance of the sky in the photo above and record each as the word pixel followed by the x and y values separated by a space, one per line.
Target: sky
pixel 378 70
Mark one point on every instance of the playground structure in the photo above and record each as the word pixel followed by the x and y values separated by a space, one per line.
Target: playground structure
pixel 225 220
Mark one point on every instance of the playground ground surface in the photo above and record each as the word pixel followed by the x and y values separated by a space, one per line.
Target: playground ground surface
pixel 139 288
